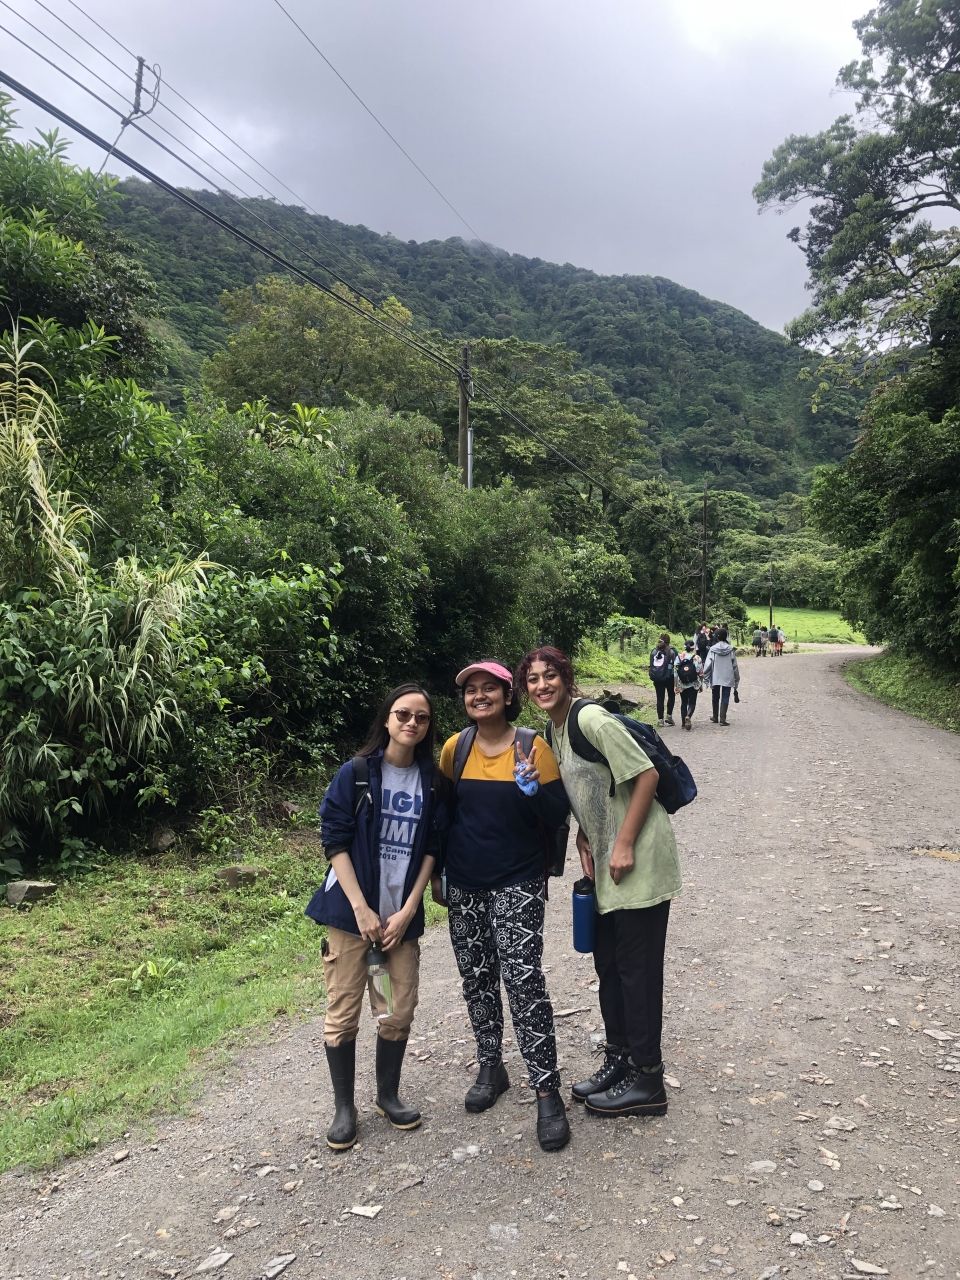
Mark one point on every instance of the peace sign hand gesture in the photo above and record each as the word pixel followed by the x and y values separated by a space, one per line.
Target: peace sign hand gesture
pixel 526 772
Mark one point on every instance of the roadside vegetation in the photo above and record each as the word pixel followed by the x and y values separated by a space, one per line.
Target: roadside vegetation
pixel 911 683
pixel 120 992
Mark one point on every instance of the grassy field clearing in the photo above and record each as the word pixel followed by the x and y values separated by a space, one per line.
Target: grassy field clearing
pixel 117 993
pixel 808 626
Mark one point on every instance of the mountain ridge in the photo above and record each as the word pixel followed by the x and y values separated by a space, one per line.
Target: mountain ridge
pixel 718 390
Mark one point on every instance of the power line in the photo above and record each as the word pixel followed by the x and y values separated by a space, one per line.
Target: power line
pixel 237 232
pixel 204 178
pixel 346 253
pixel 291 267
pixel 373 115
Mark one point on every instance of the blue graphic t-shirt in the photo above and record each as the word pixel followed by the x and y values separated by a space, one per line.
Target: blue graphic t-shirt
pixel 401 802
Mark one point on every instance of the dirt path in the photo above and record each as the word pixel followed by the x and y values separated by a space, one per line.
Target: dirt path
pixel 813 1028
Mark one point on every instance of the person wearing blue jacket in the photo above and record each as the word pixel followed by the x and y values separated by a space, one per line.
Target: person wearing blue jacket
pixel 381 820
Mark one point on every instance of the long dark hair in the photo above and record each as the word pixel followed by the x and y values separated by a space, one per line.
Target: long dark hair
pixel 555 658
pixel 377 736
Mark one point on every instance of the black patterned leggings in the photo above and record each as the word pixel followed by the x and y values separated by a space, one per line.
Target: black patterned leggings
pixel 496 931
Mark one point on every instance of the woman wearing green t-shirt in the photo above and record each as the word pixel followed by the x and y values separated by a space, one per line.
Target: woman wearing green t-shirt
pixel 627 848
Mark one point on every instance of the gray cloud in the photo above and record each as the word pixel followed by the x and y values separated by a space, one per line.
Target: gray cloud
pixel 619 136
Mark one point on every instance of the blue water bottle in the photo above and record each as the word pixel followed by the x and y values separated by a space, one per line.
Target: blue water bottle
pixel 584 916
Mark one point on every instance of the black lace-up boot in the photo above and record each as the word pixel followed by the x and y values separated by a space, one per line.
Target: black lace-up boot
pixel 639 1093
pixel 614 1067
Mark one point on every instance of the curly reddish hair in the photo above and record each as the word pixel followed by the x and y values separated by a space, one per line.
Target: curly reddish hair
pixel 555 658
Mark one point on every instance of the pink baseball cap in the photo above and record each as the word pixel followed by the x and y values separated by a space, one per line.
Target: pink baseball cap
pixel 491 668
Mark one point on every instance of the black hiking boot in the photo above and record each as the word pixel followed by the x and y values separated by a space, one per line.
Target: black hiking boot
pixel 639 1093
pixel 614 1067
pixel 389 1064
pixel 490 1083
pixel 553 1127
pixel 342 1060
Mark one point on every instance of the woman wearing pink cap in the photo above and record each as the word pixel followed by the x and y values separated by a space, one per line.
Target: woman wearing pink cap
pixel 495 887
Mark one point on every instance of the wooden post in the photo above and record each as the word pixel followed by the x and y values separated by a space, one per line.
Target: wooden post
pixel 463 379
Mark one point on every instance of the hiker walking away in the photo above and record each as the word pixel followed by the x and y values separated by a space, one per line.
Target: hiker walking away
pixel 764 638
pixel 688 672
pixel 662 659
pixel 496 889
pixel 627 848
pixel 381 819
pixel 703 642
pixel 758 641
pixel 722 673
pixel 781 638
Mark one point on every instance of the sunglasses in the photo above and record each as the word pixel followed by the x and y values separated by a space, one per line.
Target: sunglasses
pixel 418 717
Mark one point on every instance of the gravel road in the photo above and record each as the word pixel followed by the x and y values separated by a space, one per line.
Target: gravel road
pixel 812 1034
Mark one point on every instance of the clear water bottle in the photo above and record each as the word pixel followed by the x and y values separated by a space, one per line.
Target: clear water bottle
pixel 378 978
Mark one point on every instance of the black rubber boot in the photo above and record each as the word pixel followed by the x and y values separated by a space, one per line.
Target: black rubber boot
pixel 342 1061
pixel 389 1064
pixel 639 1093
pixel 553 1127
pixel 490 1083
pixel 723 718
pixel 614 1067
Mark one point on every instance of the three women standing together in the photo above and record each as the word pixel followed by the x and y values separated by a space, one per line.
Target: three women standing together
pixel 500 791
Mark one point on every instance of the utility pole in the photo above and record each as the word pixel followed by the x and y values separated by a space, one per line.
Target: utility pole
pixel 464 451
pixel 770 623
pixel 703 562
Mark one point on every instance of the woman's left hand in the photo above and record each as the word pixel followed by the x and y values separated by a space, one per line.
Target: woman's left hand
pixel 621 860
pixel 395 927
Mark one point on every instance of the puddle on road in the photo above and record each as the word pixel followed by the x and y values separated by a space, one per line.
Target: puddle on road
pixel 947 855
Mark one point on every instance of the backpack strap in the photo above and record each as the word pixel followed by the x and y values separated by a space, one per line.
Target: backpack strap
pixel 361 783
pixel 462 750
pixel 523 741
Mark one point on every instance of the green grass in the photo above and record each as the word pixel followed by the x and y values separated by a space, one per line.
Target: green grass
pixel 595 665
pixel 908 684
pixel 118 993
pixel 807 626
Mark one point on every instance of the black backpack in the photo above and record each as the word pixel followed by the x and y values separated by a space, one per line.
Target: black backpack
pixel 553 839
pixel 675 787
pixel 687 670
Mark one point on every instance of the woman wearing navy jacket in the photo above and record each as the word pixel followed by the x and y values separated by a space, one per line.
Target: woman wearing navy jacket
pixel 380 822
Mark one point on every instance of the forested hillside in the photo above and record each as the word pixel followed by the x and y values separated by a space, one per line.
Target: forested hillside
pixel 718 393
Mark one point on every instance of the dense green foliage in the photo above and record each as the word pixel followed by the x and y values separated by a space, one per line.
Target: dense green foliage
pixel 718 393
pixel 882 245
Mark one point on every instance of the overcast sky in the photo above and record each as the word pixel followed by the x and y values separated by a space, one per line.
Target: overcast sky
pixel 620 135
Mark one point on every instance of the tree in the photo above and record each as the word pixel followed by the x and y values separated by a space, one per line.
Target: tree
pixel 293 344
pixel 880 243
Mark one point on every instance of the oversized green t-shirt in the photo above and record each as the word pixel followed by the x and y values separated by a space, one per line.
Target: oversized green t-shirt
pixel 655 875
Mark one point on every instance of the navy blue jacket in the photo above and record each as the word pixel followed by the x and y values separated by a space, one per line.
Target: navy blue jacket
pixel 341 830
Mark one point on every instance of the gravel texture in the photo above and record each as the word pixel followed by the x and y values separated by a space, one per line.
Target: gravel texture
pixel 812 1038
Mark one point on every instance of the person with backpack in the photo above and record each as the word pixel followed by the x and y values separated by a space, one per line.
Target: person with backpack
pixel 703 642
pixel 381 820
pixel 758 640
pixel 688 672
pixel 662 659
pixel 781 638
pixel 508 792
pixel 721 672
pixel 627 848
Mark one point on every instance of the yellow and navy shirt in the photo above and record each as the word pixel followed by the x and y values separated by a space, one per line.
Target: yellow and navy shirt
pixel 495 838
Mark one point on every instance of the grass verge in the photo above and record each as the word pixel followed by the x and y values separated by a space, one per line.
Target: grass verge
pixel 808 626
pixel 116 994
pixel 908 684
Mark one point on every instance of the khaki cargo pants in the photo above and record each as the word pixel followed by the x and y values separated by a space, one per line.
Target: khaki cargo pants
pixel 345 973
